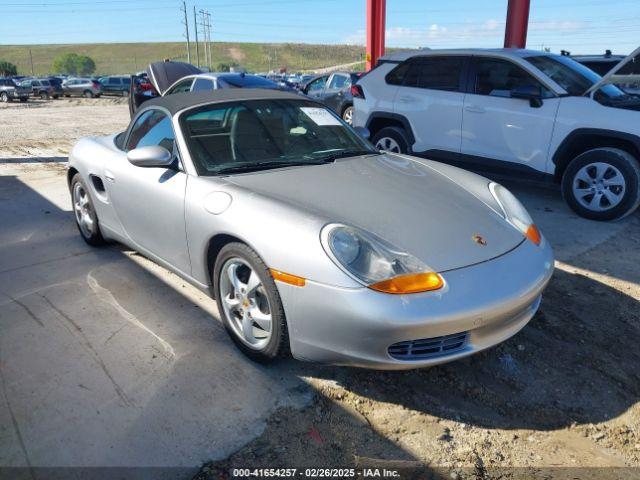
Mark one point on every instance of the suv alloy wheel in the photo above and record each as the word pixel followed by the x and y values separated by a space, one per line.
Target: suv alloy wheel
pixel 602 184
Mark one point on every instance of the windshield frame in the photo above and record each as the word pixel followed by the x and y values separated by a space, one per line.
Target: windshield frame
pixel 181 117
pixel 576 68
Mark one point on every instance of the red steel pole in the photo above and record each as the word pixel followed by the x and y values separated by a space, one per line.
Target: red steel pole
pixel 515 33
pixel 376 17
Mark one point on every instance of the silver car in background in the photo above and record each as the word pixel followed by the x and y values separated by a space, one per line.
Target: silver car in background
pixel 311 241
pixel 81 87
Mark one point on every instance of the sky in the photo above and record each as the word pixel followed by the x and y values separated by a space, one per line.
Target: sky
pixel 580 26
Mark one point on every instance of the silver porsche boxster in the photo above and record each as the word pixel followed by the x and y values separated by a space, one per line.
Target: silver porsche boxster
pixel 312 242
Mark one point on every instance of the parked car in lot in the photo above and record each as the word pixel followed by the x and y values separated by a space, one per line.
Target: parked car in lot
pixel 39 87
pixel 310 240
pixel 56 84
pixel 334 91
pixel 10 90
pixel 116 85
pixel 81 87
pixel 519 112
pixel 168 78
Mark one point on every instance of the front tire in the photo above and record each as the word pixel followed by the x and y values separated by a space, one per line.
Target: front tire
pixel 4 97
pixel 392 139
pixel 249 303
pixel 44 95
pixel 602 184
pixel 88 94
pixel 85 213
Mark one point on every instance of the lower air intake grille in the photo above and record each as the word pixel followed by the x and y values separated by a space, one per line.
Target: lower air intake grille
pixel 429 347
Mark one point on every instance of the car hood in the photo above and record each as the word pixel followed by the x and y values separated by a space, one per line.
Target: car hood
pixel 406 202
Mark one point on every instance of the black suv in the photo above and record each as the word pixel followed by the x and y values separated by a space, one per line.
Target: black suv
pixel 10 90
pixel 116 85
pixel 334 91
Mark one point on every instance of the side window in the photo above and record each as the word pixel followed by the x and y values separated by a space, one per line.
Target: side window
pixel 435 73
pixel 338 82
pixel 152 128
pixel 202 84
pixel 113 81
pixel 183 86
pixel 496 78
pixel 317 84
pixel 396 76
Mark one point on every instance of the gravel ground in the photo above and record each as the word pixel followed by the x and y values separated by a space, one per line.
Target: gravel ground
pixel 562 393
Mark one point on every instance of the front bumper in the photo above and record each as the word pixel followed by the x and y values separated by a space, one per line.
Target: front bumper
pixel 491 301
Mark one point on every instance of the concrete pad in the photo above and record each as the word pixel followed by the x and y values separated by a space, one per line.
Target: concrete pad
pixel 107 359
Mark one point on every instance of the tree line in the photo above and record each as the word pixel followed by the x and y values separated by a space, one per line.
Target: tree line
pixel 65 64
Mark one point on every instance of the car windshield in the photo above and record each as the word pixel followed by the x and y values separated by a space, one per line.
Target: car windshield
pixel 260 134
pixel 574 77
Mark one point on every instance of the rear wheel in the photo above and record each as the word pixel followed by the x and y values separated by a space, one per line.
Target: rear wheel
pixel 125 93
pixel 347 115
pixel 44 95
pixel 85 214
pixel 4 97
pixel 88 94
pixel 602 184
pixel 392 139
pixel 249 303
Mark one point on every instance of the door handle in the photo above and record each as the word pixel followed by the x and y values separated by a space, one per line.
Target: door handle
pixel 405 99
pixel 109 176
pixel 474 109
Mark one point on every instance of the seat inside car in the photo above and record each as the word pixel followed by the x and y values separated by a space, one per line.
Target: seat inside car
pixel 251 139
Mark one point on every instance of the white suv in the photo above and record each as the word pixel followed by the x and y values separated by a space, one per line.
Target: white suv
pixel 506 111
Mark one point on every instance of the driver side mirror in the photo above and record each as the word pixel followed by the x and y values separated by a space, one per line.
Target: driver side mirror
pixel 363 132
pixel 533 93
pixel 150 157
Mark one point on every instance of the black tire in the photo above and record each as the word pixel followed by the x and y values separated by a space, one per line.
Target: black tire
pixel 125 93
pixel 55 97
pixel 4 97
pixel 278 344
pixel 88 94
pixel 625 163
pixel 95 239
pixel 44 95
pixel 397 135
pixel 347 114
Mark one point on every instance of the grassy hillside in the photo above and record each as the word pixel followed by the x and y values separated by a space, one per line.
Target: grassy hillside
pixel 116 58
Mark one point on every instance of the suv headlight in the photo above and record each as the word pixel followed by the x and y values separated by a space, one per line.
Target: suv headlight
pixel 375 263
pixel 515 213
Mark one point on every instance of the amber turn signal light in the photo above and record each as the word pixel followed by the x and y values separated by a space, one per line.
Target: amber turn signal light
pixel 287 278
pixel 533 234
pixel 409 283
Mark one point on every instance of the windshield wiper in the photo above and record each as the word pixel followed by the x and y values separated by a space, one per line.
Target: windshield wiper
pixel 253 167
pixel 346 153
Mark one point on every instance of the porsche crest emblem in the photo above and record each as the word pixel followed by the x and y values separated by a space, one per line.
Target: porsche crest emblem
pixel 479 239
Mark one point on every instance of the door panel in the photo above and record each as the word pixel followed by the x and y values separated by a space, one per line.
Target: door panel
pixel 149 202
pixel 333 95
pixel 498 127
pixel 431 97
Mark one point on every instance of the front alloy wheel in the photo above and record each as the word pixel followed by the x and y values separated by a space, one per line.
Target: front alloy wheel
pixel 347 115
pixel 249 303
pixel 391 139
pixel 602 184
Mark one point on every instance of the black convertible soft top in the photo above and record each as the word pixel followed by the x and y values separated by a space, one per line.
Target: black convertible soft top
pixel 164 74
pixel 179 101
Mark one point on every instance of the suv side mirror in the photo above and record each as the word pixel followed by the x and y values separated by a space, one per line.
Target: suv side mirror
pixel 363 132
pixel 533 93
pixel 150 157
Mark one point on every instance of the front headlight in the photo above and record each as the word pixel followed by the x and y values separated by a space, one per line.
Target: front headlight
pixel 515 213
pixel 375 263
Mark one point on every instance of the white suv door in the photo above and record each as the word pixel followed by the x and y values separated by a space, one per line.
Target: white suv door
pixel 430 95
pixel 498 127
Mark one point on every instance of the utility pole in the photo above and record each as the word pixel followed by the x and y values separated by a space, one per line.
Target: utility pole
pixel 31 60
pixel 195 27
pixel 209 38
pixel 186 30
pixel 203 24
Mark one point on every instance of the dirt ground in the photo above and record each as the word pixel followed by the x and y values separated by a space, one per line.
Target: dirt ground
pixel 562 393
